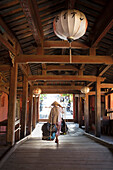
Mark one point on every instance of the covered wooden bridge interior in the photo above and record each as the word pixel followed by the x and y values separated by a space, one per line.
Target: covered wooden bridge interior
pixel 32 56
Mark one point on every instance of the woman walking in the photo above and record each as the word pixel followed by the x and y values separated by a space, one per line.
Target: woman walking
pixel 55 117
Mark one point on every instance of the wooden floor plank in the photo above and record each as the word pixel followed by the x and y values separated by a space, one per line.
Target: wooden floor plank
pixel 73 152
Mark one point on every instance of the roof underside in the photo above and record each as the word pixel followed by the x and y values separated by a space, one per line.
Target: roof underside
pixel 29 26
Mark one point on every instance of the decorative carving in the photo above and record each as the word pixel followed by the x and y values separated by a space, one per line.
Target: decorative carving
pixel 12 57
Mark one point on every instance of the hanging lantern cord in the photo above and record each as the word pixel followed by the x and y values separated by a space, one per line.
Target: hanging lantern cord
pixel 70 52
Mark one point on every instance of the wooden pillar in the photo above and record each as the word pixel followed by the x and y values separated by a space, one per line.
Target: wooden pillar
pixel 34 112
pixel 106 102
pixel 74 107
pixel 86 113
pixel 98 109
pixel 24 107
pixel 92 51
pixel 30 111
pixel 12 105
pixel 79 111
pixel 38 108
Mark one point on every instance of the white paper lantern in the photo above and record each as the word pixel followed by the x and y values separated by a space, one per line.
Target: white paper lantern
pixel 37 91
pixel 70 25
pixel 85 89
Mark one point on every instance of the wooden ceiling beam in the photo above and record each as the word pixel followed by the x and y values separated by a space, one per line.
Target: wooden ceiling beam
pixel 59 91
pixel 61 67
pixel 84 59
pixel 59 87
pixel 31 11
pixel 91 93
pixel 102 25
pixel 5 67
pixel 64 44
pixel 63 78
pixel 94 93
pixel 106 85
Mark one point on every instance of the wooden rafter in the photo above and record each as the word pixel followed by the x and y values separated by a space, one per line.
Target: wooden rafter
pixel 16 48
pixel 7 44
pixel 31 11
pixel 104 70
pixel 7 5
pixel 85 59
pixel 14 45
pixel 102 25
pixel 101 73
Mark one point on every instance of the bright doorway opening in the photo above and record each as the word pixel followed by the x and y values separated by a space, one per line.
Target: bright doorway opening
pixel 66 101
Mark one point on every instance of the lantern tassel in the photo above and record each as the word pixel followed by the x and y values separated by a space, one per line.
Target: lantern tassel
pixel 70 53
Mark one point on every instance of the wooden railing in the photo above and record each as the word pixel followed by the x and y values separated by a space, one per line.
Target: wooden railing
pixel 3 124
pixel 17 128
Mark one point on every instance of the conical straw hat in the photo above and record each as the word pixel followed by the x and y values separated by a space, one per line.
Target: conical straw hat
pixel 55 103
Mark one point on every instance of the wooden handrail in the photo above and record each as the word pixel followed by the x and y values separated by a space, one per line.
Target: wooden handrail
pixel 17 122
pixel 18 128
